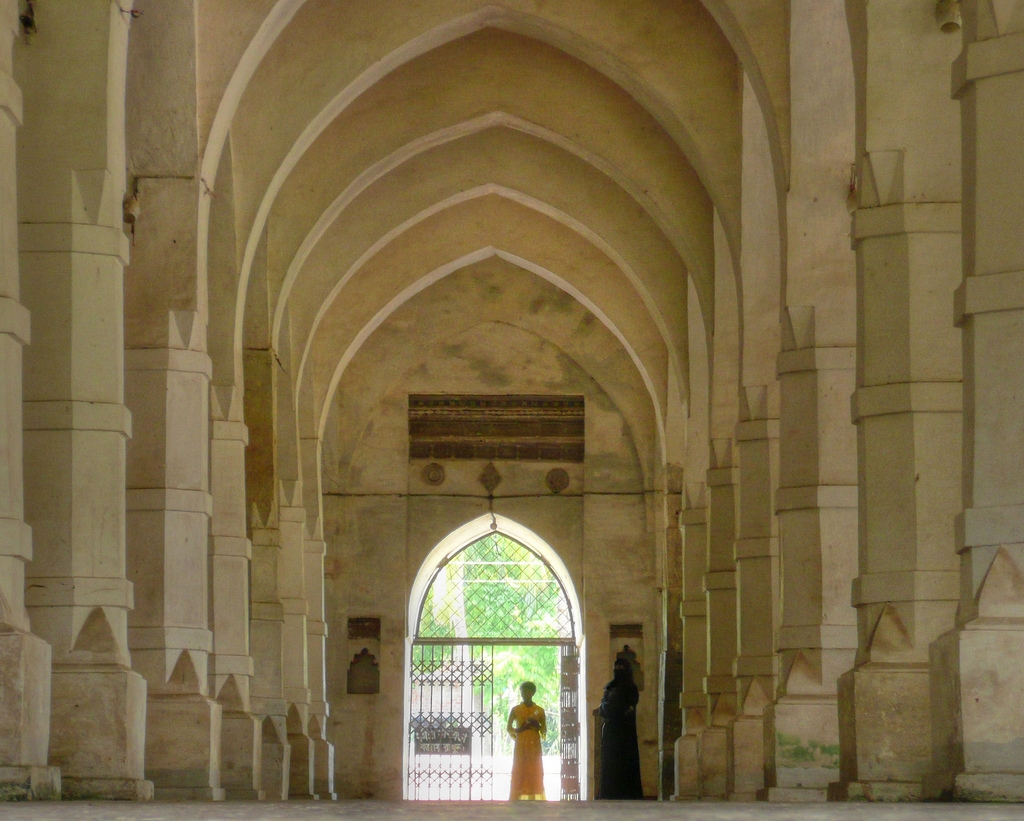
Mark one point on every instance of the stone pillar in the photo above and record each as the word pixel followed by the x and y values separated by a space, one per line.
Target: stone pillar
pixel 817 513
pixel 169 507
pixel 266 644
pixel 168 379
pixel 978 669
pixel 757 584
pixel 231 666
pixel 71 182
pixel 671 672
pixel 323 765
pixel 316 633
pixel 907 407
pixel 266 614
pixel 693 614
pixel 24 657
pixel 720 587
pixel 816 502
pixel 276 755
pixel 292 587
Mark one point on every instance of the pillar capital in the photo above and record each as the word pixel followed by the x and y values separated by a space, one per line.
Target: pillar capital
pixel 989 293
pixel 988 58
pixel 15 320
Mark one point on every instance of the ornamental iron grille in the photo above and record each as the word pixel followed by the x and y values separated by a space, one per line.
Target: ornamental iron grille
pixel 496 589
pixel 493 593
pixel 451 732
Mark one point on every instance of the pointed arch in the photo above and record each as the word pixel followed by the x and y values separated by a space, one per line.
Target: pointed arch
pixel 477 529
pixel 230 697
pixel 184 674
pixel 323 409
pixel 96 635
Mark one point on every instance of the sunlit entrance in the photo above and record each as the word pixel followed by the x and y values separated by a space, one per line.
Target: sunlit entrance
pixel 487 615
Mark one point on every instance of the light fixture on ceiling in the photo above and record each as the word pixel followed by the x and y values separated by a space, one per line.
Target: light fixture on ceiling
pixel 947 13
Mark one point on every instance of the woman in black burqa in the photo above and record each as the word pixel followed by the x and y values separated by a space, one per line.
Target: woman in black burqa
pixel 620 753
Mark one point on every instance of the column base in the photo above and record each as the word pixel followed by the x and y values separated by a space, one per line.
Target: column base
pixel 24 702
pixel 106 789
pixel 323 770
pixel 975 787
pixel 30 784
pixel 881 791
pixel 988 787
pixel 276 756
pixel 687 771
pixel 746 742
pixel 793 795
pixel 183 747
pixel 885 732
pixel 300 770
pixel 977 677
pixel 244 795
pixel 701 765
pixel 240 756
pixel 98 732
pixel 805 754
pixel 188 793
pixel 713 760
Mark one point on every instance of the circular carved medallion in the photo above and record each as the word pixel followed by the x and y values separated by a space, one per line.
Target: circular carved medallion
pixel 557 480
pixel 433 474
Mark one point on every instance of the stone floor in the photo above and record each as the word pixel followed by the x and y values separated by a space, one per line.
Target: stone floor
pixel 442 811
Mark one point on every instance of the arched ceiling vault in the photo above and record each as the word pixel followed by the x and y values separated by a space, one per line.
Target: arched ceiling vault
pixel 427 103
pixel 269 139
pixel 459 342
pixel 511 153
pixel 375 148
pixel 614 284
pixel 758 31
pixel 461 233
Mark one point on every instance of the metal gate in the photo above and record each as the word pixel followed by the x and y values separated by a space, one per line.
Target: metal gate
pixel 492 593
pixel 451 734
pixel 569 717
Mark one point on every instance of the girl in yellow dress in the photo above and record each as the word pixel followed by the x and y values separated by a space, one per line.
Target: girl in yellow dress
pixel 527 724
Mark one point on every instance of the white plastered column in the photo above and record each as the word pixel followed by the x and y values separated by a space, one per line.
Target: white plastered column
pixel 671 686
pixel 816 502
pixel 757 588
pixel 295 611
pixel 693 609
pixel 266 613
pixel 167 388
pixel 73 251
pixel 756 437
pixel 315 549
pixel 907 407
pixel 693 606
pixel 719 480
pixel 266 644
pixel 720 589
pixel 231 665
pixel 977 668
pixel 24 657
pixel 168 516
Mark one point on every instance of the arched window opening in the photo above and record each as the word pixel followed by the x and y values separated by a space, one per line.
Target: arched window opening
pixel 490 614
pixel 496 589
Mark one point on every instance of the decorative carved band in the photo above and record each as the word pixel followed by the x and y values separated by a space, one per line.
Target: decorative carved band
pixel 548 428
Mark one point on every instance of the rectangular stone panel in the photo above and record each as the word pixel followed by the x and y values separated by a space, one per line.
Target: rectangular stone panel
pixel 520 427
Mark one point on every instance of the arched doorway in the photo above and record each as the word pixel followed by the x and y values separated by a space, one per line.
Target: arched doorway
pixel 491 604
